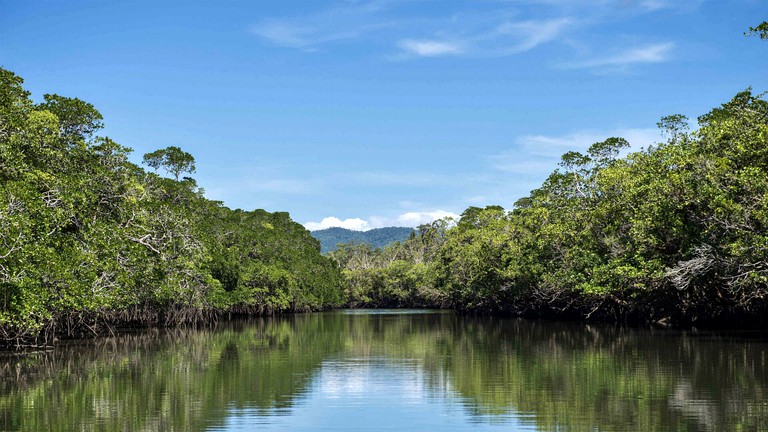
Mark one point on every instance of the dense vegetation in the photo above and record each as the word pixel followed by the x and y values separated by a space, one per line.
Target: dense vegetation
pixel 400 274
pixel 675 233
pixel 88 238
pixel 377 238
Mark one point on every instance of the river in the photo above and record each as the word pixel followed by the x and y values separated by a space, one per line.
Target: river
pixel 392 371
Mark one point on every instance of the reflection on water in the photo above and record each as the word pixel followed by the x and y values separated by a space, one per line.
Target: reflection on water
pixel 390 370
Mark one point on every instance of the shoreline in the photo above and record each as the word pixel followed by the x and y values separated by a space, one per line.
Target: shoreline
pixel 67 329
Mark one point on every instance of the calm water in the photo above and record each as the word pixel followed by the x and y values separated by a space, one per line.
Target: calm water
pixel 388 371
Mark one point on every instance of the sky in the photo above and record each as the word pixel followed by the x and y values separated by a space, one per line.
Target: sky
pixel 368 113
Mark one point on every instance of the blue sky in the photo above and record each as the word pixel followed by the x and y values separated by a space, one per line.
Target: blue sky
pixel 380 113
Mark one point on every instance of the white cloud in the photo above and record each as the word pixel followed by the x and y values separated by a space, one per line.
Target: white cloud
pixel 430 48
pixel 380 222
pixel 353 224
pixel 414 219
pixel 408 219
pixel 648 54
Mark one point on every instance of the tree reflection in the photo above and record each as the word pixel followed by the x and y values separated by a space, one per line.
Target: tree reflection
pixel 556 376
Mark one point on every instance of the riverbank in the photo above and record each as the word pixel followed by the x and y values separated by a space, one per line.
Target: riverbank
pixel 564 310
pixel 90 240
pixel 673 234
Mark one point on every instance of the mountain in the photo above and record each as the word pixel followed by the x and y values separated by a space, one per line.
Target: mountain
pixel 377 238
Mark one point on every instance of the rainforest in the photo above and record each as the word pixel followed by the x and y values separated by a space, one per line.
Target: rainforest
pixel 90 241
pixel 673 234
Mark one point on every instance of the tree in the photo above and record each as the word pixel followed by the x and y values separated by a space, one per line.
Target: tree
pixel 88 239
pixel 77 119
pixel 173 159
pixel 761 30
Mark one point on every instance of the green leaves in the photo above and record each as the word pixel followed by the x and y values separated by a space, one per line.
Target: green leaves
pixel 87 237
pixel 172 159
pixel 761 31
pixel 78 120
pixel 676 232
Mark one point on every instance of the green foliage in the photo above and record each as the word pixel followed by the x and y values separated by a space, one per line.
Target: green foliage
pixel 761 31
pixel 173 159
pixel 377 238
pixel 77 119
pixel 675 233
pixel 88 238
pixel 399 275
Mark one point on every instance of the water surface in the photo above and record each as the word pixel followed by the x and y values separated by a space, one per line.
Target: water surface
pixel 392 371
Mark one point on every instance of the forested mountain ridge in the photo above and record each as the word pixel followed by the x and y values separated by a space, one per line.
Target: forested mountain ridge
pixel 89 239
pixel 377 238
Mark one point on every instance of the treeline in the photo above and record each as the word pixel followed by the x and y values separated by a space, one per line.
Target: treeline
pixel 378 237
pixel 401 274
pixel 674 234
pixel 89 240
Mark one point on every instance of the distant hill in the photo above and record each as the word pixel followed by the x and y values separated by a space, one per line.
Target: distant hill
pixel 377 238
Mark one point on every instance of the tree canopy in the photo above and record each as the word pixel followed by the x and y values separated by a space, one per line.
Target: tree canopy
pixel 675 233
pixel 90 240
pixel 173 159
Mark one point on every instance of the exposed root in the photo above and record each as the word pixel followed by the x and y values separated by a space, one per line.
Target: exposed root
pixel 89 324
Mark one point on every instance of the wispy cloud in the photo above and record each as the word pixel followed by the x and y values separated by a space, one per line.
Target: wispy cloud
pixel 653 5
pixel 646 54
pixel 480 32
pixel 540 154
pixel 674 5
pixel 528 35
pixel 430 48
pixel 292 35
pixel 418 218
pixel 484 37
pixel 626 6
pixel 308 32
pixel 513 173
pixel 472 30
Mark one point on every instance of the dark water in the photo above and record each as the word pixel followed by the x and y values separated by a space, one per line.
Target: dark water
pixel 382 371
